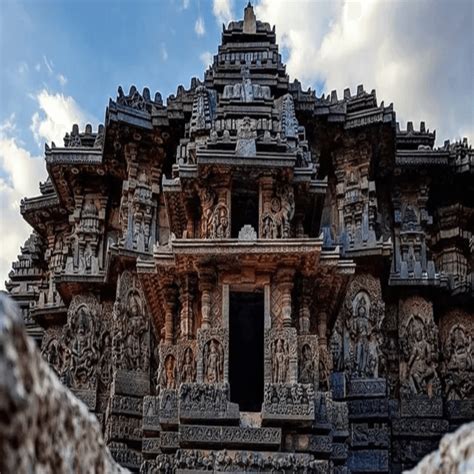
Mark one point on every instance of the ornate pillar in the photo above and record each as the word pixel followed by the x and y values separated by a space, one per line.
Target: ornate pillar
pixel 304 313
pixel 285 279
pixel 205 285
pixel 265 196
pixel 186 313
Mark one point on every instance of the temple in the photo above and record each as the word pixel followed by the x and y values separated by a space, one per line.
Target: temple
pixel 248 277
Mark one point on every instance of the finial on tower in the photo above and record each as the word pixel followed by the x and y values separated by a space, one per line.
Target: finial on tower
pixel 250 21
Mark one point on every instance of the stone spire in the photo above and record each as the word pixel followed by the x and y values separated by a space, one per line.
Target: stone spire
pixel 250 21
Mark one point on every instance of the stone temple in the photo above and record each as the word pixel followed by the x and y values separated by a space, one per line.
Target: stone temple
pixel 249 278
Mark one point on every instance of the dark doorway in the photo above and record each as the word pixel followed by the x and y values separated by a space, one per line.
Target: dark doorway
pixel 246 350
pixel 244 211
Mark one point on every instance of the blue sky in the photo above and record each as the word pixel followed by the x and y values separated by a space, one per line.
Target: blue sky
pixel 61 60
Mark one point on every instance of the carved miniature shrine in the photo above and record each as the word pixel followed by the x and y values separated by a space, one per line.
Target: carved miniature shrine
pixel 252 278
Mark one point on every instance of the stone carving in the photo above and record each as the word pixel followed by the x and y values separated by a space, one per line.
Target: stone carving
pixel 289 400
pixel 246 138
pixel 356 339
pixel 281 356
pixel 213 362
pixel 130 339
pixel 246 91
pixel 419 344
pixel 278 214
pixel 85 240
pixel 188 366
pixel 83 351
pixel 308 360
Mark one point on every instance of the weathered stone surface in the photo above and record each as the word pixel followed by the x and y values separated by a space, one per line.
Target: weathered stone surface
pixel 43 427
pixel 455 454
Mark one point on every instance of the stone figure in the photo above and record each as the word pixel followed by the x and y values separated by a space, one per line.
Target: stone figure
pixel 213 362
pixel 306 364
pixel 170 372
pixel 421 374
pixel 220 222
pixel 280 357
pixel 134 347
pixel 188 367
pixel 207 198
pixel 360 332
pixel 83 352
pixel 459 364
pixel 336 344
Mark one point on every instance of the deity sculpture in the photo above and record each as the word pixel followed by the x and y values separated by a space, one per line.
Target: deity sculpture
pixel 207 198
pixel 360 332
pixel 188 367
pixel 220 222
pixel 306 365
pixel 213 362
pixel 83 353
pixel 459 364
pixel 170 372
pixel 136 330
pixel 280 361
pixel 421 376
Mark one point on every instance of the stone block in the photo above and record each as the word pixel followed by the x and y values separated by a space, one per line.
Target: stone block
pixel 128 382
pixel 374 435
pixel 368 460
pixel 372 408
pixel 229 436
pixel 338 385
pixel 308 443
pixel 151 414
pixel 421 407
pixel 420 427
pixel 367 388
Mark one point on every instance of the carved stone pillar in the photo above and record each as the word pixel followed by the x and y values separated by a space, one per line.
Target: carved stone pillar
pixel 170 295
pixel 205 285
pixel 265 196
pixel 322 328
pixel 186 313
pixel 304 313
pixel 285 279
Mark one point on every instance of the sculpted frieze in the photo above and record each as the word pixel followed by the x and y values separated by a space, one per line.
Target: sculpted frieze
pixel 277 213
pixel 212 363
pixel 308 360
pixel 130 338
pixel 420 349
pixel 356 340
pixel 281 356
pixel 457 368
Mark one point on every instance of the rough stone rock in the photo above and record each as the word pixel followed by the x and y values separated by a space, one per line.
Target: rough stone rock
pixel 43 427
pixel 455 454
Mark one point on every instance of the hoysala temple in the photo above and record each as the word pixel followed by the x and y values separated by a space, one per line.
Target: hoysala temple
pixel 250 278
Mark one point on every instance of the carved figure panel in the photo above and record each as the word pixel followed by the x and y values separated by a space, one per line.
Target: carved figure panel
pixel 212 364
pixel 187 362
pixel 457 331
pixel 277 213
pixel 356 339
pixel 419 345
pixel 131 328
pixel 281 356
pixel 308 360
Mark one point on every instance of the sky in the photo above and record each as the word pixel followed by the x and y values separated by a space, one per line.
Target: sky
pixel 61 61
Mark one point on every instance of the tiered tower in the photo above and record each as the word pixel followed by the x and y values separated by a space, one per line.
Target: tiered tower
pixel 252 278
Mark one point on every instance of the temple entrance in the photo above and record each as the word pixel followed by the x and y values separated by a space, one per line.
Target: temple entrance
pixel 246 350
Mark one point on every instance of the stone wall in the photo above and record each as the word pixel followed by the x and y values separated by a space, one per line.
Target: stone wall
pixel 43 426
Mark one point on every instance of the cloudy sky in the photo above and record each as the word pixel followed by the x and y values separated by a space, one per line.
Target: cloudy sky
pixel 61 60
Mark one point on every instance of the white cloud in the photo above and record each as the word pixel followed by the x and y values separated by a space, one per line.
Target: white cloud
pixel 185 4
pixel 49 64
pixel 23 68
pixel 164 52
pixel 56 115
pixel 62 79
pixel 20 174
pixel 38 67
pixel 417 58
pixel 223 10
pixel 199 27
pixel 206 58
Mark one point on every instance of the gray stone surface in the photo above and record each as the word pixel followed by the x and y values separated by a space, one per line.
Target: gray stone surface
pixel 44 428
